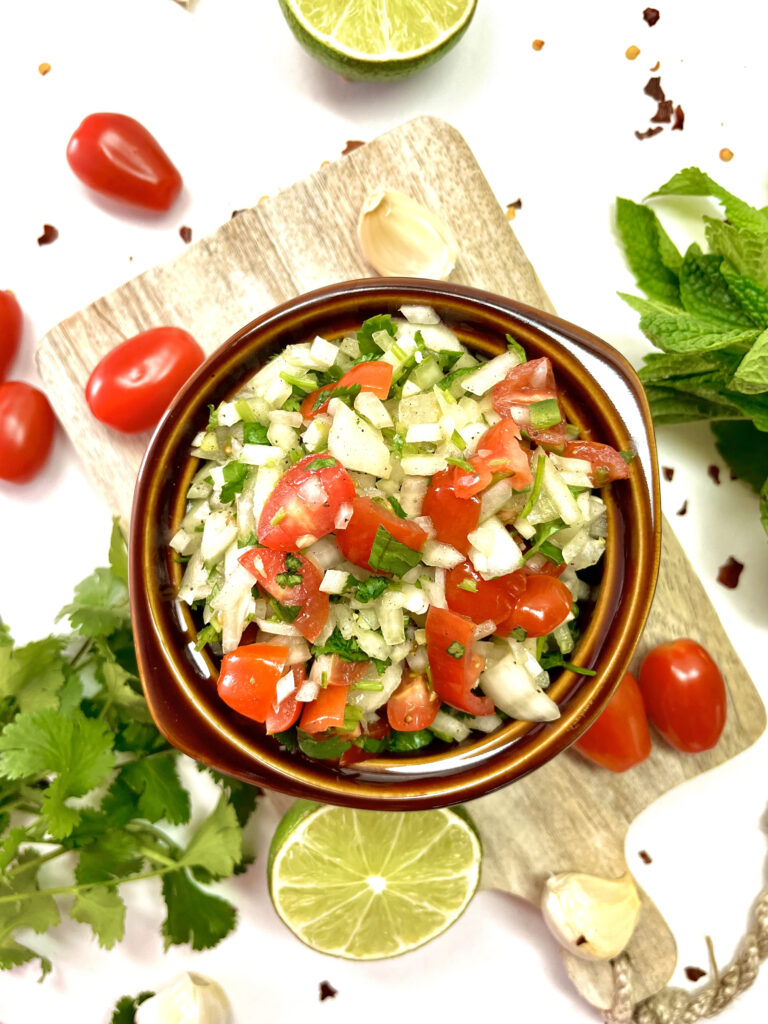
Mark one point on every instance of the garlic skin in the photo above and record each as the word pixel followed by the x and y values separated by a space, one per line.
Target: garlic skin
pixel 592 917
pixel 189 999
pixel 401 238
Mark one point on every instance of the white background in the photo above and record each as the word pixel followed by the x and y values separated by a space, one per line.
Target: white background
pixel 243 112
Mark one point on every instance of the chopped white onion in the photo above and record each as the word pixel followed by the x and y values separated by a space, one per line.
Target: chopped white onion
pixel 333 581
pixel 307 691
pixel 486 628
pixel 277 627
pixel 286 685
pixel 490 373
pixel 343 516
pixel 441 555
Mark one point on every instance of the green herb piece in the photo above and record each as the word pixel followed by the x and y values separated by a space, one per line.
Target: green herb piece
pixel 213 417
pixel 370 589
pixel 745 449
pixel 455 375
pixel 462 464
pixel 627 455
pixel 517 348
pixel 550 551
pixel 372 685
pixel 519 634
pixel 389 555
pixel 397 508
pixel 293 575
pixel 458 440
pixel 544 414
pixel 347 650
pixel 283 612
pixel 329 748
pixel 347 393
pixel 235 475
pixel 538 480
pixel 370 744
pixel 352 715
pixel 468 585
pixel 398 352
pixel 245 411
pixel 306 385
pixel 317 464
pixel 207 635
pixel 456 650
pixel 287 739
pixel 251 541
pixel 370 327
pixel 553 659
pixel 448 357
pixel 292 404
pixel 543 533
pixel 125 1009
pixel 404 742
pixel 278 517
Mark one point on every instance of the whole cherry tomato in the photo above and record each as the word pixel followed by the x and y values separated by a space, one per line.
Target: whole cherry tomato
pixel 134 383
pixel 26 430
pixel 10 330
pixel 116 156
pixel 619 738
pixel 684 695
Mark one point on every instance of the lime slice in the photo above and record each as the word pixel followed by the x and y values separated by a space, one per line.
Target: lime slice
pixel 370 41
pixel 367 885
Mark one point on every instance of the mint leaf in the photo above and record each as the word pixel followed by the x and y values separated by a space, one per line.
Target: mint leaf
pixel 193 915
pixel 678 331
pixel 389 555
pixel 156 782
pixel 217 845
pixel 669 406
pixel 373 325
pixel 751 297
pixel 100 604
pixel 103 910
pixel 118 552
pixel 705 293
pixel 693 182
pixel 745 251
pixel 745 450
pixel 650 253
pixel 751 377
pixel 764 505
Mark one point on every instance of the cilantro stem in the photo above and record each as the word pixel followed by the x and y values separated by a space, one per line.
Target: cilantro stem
pixel 76 657
pixel 42 859
pixel 70 890
pixel 158 858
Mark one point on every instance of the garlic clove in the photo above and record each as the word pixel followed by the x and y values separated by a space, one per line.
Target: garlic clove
pixel 189 999
pixel 401 238
pixel 592 917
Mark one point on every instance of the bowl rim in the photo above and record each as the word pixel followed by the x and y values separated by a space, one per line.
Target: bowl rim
pixel 428 781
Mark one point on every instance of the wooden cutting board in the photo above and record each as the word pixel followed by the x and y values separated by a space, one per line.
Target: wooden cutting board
pixel 568 815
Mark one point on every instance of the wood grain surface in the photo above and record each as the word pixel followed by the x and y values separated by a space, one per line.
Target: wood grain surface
pixel 569 815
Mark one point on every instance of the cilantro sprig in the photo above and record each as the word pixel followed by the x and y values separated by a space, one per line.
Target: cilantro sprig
pixel 73 725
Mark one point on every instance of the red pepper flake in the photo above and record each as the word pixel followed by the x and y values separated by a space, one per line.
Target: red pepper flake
pixel 651 16
pixel 663 112
pixel 50 234
pixel 683 508
pixel 714 473
pixel 327 991
pixel 645 857
pixel 650 133
pixel 186 234
pixel 679 119
pixel 653 89
pixel 667 472
pixel 694 973
pixel 351 146
pixel 44 68
pixel 728 573
pixel 538 44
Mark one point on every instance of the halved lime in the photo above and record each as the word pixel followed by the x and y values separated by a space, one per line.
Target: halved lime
pixel 370 41
pixel 367 885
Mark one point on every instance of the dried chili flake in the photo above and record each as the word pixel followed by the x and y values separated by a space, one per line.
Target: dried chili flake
pixel 351 146
pixel 679 121
pixel 50 234
pixel 683 508
pixel 327 991
pixel 667 472
pixel 663 112
pixel 728 574
pixel 714 473
pixel 694 973
pixel 651 16
pixel 649 133
pixel 645 857
pixel 581 940
pixel 653 89
pixel 186 234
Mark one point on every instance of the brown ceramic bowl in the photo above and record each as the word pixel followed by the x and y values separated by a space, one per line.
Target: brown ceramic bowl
pixel 600 393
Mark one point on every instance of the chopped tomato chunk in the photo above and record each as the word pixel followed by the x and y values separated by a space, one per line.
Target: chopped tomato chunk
pixel 523 386
pixel 248 679
pixel 326 711
pixel 498 451
pixel 356 541
pixel 454 670
pixel 452 517
pixel 375 377
pixel 607 463
pixel 293 580
pixel 305 503
pixel 414 703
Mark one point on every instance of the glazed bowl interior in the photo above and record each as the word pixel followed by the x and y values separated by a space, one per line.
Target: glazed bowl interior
pixel 600 394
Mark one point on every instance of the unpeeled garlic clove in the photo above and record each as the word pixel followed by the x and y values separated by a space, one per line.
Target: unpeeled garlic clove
pixel 189 999
pixel 592 917
pixel 401 238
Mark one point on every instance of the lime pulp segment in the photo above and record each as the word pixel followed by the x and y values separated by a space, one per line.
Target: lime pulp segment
pixel 382 29
pixel 367 885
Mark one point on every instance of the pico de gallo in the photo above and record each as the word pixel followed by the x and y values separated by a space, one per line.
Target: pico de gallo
pixel 384 538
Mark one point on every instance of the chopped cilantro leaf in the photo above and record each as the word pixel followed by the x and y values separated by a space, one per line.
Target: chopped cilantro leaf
pixel 390 555
pixel 468 585
pixel 519 634
pixel 235 474
pixel 207 635
pixel 397 508
pixel 347 650
pixel 255 433
pixel 517 348
pixel 317 464
pixel 283 612
pixel 456 650
pixel 372 326
pixel 455 375
pixel 370 589
pixel 553 659
pixel 403 742
pixel 347 393
pixel 213 417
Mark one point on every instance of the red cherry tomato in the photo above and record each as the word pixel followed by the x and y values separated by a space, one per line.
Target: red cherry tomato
pixel 26 431
pixel 356 541
pixel 452 517
pixel 134 383
pixel 525 384
pixel 606 462
pixel 467 593
pixel 305 502
pixel 375 377
pixel 248 679
pixel 293 583
pixel 619 738
pixel 540 608
pixel 11 324
pixel 116 156
pixel 498 451
pixel 288 710
pixel 414 703
pixel 684 695
pixel 454 669
pixel 326 711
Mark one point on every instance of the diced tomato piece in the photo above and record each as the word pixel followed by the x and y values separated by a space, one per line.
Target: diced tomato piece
pixel 454 672
pixel 326 711
pixel 452 517
pixel 346 673
pixel 356 541
pixel 414 703
pixel 289 709
pixel 607 463
pixel 248 679
pixel 525 384
pixel 489 599
pixel 374 376
pixel 498 451
pixel 305 502
pixel 292 585
pixel 542 605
